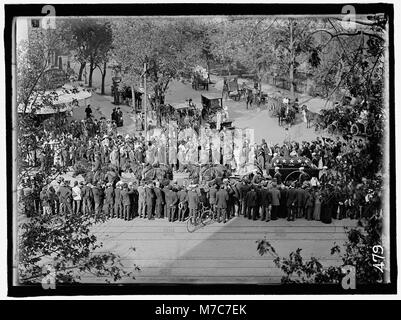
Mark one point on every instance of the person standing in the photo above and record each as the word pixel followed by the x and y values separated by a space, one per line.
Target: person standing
pixel 77 198
pixel 309 204
pixel 193 202
pixel 171 203
pixel 109 200
pixel 251 202
pixel 141 200
pixel 212 197
pixel 150 200
pixel 88 111
pixel 183 203
pixel 291 203
pixel 118 210
pixel 98 198
pixel 317 204
pixel 265 203
pixel 222 204
pixel 45 199
pixel 64 194
pixel 300 202
pixel 275 195
pixel 159 200
pixel 126 200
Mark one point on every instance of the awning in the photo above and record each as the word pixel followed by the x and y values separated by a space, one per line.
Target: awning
pixel 65 96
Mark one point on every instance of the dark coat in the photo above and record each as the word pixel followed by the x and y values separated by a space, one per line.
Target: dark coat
pixel 291 197
pixel 275 195
pixel 222 199
pixel 193 199
pixel 301 197
pixel 265 197
pixel 109 195
pixel 171 198
pixel 251 198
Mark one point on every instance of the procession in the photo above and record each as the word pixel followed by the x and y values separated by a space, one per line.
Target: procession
pixel 179 145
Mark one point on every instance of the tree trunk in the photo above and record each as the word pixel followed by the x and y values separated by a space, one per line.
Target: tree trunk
pixel 91 68
pixel 292 62
pixel 81 70
pixel 104 77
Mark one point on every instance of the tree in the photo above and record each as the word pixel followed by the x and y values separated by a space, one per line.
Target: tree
pixel 68 246
pixel 166 46
pixel 358 253
pixel 91 39
pixel 66 242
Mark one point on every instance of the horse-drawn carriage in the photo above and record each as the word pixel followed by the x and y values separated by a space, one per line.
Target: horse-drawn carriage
pixel 200 78
pixel 231 88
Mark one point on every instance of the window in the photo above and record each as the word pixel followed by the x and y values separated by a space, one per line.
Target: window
pixel 35 23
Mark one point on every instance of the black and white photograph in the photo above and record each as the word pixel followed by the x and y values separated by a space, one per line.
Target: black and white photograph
pixel 182 148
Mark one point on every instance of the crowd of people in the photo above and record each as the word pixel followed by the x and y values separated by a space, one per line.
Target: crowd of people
pixel 340 191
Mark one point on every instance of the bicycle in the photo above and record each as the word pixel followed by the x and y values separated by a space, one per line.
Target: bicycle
pixel 204 217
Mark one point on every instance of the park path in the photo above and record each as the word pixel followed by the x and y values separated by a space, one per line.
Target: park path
pixel 216 253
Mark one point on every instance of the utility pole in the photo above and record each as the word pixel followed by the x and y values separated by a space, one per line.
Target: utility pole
pixel 145 102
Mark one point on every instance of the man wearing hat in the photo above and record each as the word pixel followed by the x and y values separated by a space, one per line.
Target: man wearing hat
pixel 118 208
pixel 109 200
pixel 291 202
pixel 64 194
pixel 159 204
pixel 171 203
pixel 222 204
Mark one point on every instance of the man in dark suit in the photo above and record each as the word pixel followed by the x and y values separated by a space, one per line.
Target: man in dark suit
pixel 221 204
pixel 265 202
pixel 150 200
pixel 301 197
pixel 243 189
pixel 251 203
pixel 159 200
pixel 109 200
pixel 118 210
pixel 98 197
pixel 291 203
pixel 171 202
pixel 275 200
pixel 65 197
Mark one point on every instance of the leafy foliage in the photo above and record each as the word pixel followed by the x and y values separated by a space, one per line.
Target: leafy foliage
pixel 68 245
pixel 357 253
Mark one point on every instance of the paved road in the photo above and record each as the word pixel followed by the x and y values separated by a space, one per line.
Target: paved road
pixel 217 253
